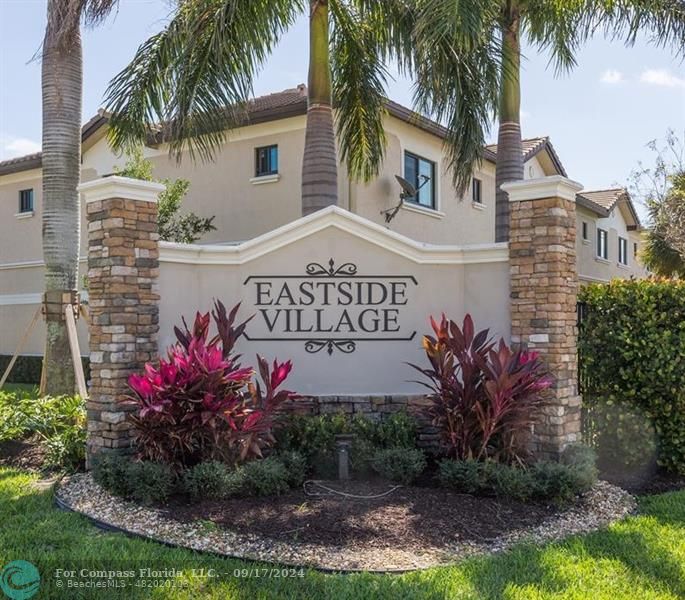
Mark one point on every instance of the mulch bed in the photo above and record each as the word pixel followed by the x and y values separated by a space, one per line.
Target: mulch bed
pixel 25 454
pixel 410 528
pixel 407 518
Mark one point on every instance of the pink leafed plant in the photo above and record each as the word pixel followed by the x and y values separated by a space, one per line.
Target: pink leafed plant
pixel 199 403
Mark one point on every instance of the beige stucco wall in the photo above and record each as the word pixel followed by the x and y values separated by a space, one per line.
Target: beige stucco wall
pixel 375 367
pixel 590 266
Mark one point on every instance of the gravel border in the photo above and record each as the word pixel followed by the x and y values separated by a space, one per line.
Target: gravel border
pixel 602 505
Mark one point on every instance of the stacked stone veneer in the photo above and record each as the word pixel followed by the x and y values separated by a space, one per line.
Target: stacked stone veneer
pixel 544 285
pixel 123 267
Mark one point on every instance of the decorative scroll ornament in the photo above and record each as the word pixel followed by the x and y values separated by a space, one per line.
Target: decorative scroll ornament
pixel 314 346
pixel 318 270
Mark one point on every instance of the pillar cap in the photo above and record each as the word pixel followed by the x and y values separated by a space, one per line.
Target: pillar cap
pixel 554 186
pixel 116 186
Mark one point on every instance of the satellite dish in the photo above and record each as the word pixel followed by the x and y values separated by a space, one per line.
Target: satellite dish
pixel 408 190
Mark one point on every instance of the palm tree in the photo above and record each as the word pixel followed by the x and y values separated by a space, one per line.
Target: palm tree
pixel 193 81
pixel 468 61
pixel 62 80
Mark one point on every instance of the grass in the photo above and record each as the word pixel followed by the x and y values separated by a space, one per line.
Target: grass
pixel 641 557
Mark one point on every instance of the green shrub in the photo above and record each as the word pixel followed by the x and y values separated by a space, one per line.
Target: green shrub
pixel 207 480
pixel 149 482
pixel 314 438
pixel 632 355
pixel 559 482
pixel 398 430
pixel 66 449
pixel 111 472
pixel 146 482
pixel 465 476
pixel 27 369
pixel 402 465
pixel 59 422
pixel 296 466
pixel 265 477
pixel 511 482
pixel 553 481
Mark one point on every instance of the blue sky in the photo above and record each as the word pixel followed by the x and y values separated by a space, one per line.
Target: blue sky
pixel 599 117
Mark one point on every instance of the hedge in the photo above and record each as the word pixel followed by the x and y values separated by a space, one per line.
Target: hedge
pixel 632 365
pixel 27 368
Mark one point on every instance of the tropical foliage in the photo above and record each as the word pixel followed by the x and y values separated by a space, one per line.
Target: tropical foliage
pixel 661 188
pixel 58 424
pixel 199 403
pixel 467 62
pixel 191 83
pixel 173 227
pixel 643 323
pixel 484 396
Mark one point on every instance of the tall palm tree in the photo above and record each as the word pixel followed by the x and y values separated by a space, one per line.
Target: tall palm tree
pixel 62 82
pixel 195 78
pixel 468 62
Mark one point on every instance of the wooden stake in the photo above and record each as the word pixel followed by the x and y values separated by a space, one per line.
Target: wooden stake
pixel 75 351
pixel 20 347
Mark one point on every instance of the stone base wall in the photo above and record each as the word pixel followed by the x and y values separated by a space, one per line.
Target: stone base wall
pixel 544 285
pixel 375 408
pixel 123 267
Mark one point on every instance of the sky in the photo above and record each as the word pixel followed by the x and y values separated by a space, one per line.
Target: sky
pixel 599 117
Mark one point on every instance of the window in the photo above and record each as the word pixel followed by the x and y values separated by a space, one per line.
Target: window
pixel 26 201
pixel 420 172
pixel 476 191
pixel 623 251
pixel 634 249
pixel 266 161
pixel 585 231
pixel 602 245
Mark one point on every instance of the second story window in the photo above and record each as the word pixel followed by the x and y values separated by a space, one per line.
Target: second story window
pixel 586 233
pixel 623 251
pixel 477 191
pixel 420 172
pixel 634 249
pixel 266 161
pixel 26 201
pixel 602 244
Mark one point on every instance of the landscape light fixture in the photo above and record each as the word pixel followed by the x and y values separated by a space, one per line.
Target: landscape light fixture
pixel 408 191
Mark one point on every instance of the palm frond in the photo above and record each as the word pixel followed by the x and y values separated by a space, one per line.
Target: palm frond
pixel 662 21
pixel 195 76
pixel 559 27
pixel 457 76
pixel 359 78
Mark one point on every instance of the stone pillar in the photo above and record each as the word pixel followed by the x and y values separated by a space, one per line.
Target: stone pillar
pixel 123 267
pixel 544 286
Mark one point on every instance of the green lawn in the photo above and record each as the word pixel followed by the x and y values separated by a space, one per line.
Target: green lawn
pixel 640 558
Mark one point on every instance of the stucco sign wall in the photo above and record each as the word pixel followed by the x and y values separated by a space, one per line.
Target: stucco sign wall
pixel 345 299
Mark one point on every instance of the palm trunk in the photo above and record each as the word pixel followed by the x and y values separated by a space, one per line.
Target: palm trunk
pixel 61 86
pixel 509 146
pixel 320 163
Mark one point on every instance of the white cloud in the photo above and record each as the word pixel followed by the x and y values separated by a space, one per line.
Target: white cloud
pixel 611 76
pixel 662 77
pixel 11 147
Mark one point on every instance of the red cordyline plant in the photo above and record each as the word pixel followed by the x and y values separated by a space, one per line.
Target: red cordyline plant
pixel 484 396
pixel 200 404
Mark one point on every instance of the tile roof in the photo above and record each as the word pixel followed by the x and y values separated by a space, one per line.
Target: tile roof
pixel 35 160
pixel 533 146
pixel 293 102
pixel 602 202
